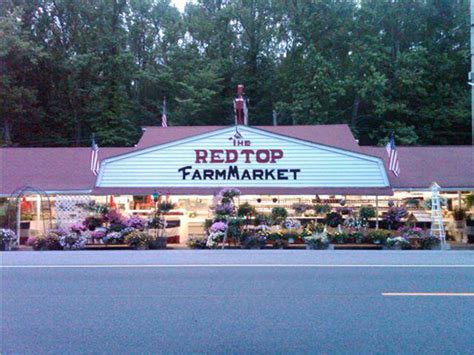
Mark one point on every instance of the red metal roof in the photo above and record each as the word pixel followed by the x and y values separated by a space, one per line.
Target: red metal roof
pixel 67 169
pixel 449 166
pixel 49 169
pixel 336 135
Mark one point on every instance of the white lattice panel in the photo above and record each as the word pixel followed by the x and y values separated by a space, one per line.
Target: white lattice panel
pixel 69 210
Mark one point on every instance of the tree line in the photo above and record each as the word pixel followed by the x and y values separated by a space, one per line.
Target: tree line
pixel 72 68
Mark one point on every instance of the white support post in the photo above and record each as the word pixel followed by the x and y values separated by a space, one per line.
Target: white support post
pixel 18 220
pixel 376 212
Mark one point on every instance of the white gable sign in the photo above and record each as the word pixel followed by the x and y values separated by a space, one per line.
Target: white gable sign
pixel 246 157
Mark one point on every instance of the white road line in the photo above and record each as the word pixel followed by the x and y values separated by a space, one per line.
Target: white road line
pixel 165 266
pixel 428 294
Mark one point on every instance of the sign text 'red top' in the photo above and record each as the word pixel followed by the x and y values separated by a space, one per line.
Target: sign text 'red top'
pixel 228 156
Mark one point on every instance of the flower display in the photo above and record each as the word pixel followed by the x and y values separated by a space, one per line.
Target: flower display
pixel 135 222
pixel 72 241
pixel 229 192
pixel 300 208
pixel 214 238
pixel 410 232
pixel 92 222
pixel 394 215
pixel 224 209
pixel 49 241
pixel 114 217
pixel 397 243
pixel 219 227
pixel 113 238
pixel 77 228
pixel 333 219
pixel 317 241
pixel 291 224
pixel 8 239
pixel 98 234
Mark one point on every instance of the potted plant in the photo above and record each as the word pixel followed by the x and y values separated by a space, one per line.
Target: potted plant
pixel 470 229
pixel 279 214
pixel 378 236
pixel 320 210
pixel 196 242
pixel 137 240
pixel 397 243
pixel 166 206
pixel 366 212
pixel 300 208
pixel 394 216
pixel 333 219
pixel 8 240
pixel 469 200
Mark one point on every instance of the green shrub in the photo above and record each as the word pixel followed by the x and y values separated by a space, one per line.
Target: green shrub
pixel 261 218
pixel 366 212
pixel 197 242
pixel 166 206
pixel 245 210
pixel 137 239
pixel 279 214
pixel 321 209
pixel 378 236
pixel 300 208
pixel 429 242
pixel 469 200
pixel 333 219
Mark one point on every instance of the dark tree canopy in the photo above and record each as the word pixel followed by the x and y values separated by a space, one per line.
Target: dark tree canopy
pixel 72 68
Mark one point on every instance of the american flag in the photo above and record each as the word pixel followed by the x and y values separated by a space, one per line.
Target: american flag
pixel 393 165
pixel 94 157
pixel 164 119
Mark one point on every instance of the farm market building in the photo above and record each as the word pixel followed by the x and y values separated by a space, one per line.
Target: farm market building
pixel 271 165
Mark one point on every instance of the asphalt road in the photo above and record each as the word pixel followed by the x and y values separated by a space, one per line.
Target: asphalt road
pixel 237 302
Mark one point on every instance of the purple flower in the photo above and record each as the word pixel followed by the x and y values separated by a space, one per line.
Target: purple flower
pixel 225 208
pixel 77 227
pixel 229 192
pixel 97 234
pixel 135 222
pixel 114 217
pixel 218 227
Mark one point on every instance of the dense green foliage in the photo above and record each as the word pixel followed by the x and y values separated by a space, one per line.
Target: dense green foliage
pixel 69 68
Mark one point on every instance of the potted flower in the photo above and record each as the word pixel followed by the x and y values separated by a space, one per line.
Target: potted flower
pixel 300 208
pixel 8 240
pixel 48 241
pixel 315 237
pixel 378 236
pixel 137 240
pixel 93 222
pixel 397 243
pixel 72 240
pixel 394 216
pixel 412 235
pixel 333 219
pixel 214 238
